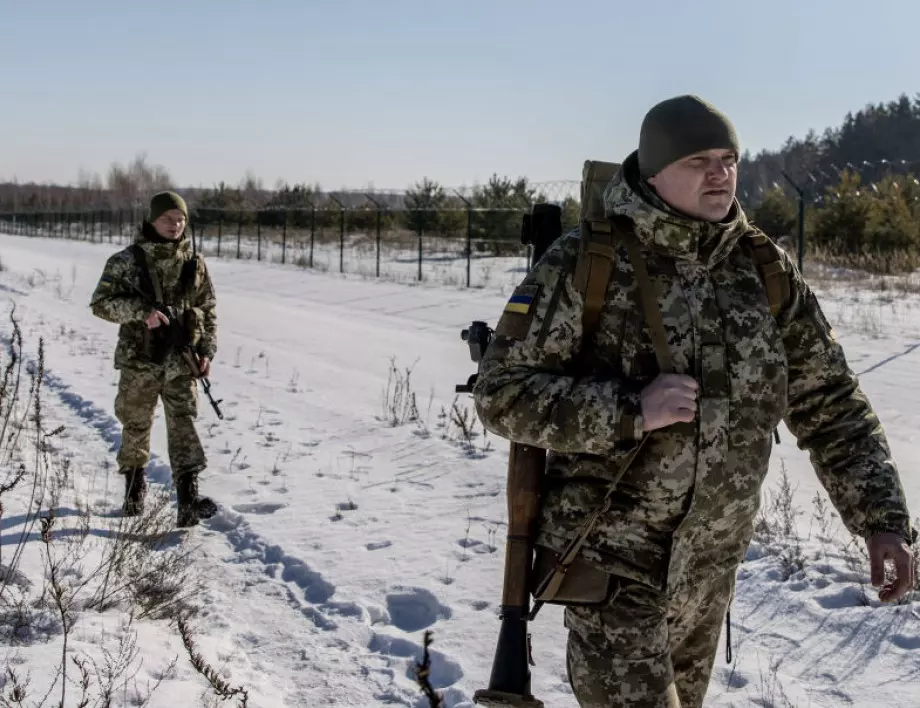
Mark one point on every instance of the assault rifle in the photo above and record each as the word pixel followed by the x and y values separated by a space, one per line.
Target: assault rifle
pixel 178 336
pixel 175 335
pixel 509 684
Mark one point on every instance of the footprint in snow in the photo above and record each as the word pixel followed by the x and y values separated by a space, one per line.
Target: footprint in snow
pixel 414 609
pixel 841 599
pixel 378 545
pixel 905 642
pixel 259 507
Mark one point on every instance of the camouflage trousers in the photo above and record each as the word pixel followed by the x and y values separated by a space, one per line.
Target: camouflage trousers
pixel 135 405
pixel 645 648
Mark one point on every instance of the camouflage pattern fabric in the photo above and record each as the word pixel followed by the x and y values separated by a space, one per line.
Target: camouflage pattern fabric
pixel 686 507
pixel 118 298
pixel 135 405
pixel 644 649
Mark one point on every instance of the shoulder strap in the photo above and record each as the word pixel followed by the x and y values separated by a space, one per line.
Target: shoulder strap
pixel 769 264
pixel 148 274
pixel 649 303
pixel 187 275
pixel 597 251
pixel 596 258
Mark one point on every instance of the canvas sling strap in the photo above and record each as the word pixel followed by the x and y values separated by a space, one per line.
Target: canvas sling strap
pixel 775 280
pixel 601 244
pixel 151 273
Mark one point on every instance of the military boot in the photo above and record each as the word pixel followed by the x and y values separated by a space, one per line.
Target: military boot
pixel 192 508
pixel 135 491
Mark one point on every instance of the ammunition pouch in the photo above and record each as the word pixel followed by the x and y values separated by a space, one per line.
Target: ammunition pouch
pixel 582 583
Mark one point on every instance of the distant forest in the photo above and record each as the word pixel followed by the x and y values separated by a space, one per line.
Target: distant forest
pixel 860 188
pixel 875 142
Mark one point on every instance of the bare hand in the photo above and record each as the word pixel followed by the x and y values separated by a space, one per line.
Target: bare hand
pixel 155 319
pixel 890 546
pixel 669 399
pixel 204 366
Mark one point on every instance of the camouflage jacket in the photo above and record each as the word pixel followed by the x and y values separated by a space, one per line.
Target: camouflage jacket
pixel 120 297
pixel 688 502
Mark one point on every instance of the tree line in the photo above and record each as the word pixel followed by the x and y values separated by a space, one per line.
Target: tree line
pixel 859 181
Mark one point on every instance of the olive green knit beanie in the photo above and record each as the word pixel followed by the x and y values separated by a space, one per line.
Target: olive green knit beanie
pixel 163 202
pixel 681 126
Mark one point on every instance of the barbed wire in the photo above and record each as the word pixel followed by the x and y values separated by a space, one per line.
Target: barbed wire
pixel 505 194
pixel 818 184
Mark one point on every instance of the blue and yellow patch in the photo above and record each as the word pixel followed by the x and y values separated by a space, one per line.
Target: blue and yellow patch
pixel 519 312
pixel 520 303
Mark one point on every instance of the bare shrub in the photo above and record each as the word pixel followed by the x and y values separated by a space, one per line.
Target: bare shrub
pixel 399 404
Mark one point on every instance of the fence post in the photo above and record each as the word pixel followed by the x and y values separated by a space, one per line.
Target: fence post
pixel 239 233
pixel 258 235
pixel 469 234
pixel 312 230
pixel 284 236
pixel 801 219
pixel 379 216
pixel 341 232
pixel 220 231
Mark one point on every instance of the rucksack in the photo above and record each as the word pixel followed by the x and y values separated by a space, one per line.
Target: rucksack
pixel 597 254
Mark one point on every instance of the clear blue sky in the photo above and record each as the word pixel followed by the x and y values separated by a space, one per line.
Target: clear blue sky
pixel 385 92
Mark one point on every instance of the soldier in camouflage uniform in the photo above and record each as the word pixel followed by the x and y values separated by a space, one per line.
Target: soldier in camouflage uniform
pixel 683 512
pixel 151 366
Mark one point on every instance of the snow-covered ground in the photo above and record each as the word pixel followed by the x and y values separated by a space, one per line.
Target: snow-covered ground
pixel 343 537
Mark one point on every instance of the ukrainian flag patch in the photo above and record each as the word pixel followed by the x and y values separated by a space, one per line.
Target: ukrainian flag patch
pixel 519 312
pixel 520 303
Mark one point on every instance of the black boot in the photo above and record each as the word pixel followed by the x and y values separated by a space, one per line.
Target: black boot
pixel 135 491
pixel 192 508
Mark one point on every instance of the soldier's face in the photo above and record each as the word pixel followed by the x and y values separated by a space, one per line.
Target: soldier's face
pixel 170 224
pixel 700 185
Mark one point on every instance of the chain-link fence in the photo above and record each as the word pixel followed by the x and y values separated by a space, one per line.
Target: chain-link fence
pixel 458 244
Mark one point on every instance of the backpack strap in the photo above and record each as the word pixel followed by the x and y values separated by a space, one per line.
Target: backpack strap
pixel 769 261
pixel 649 303
pixel 596 259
